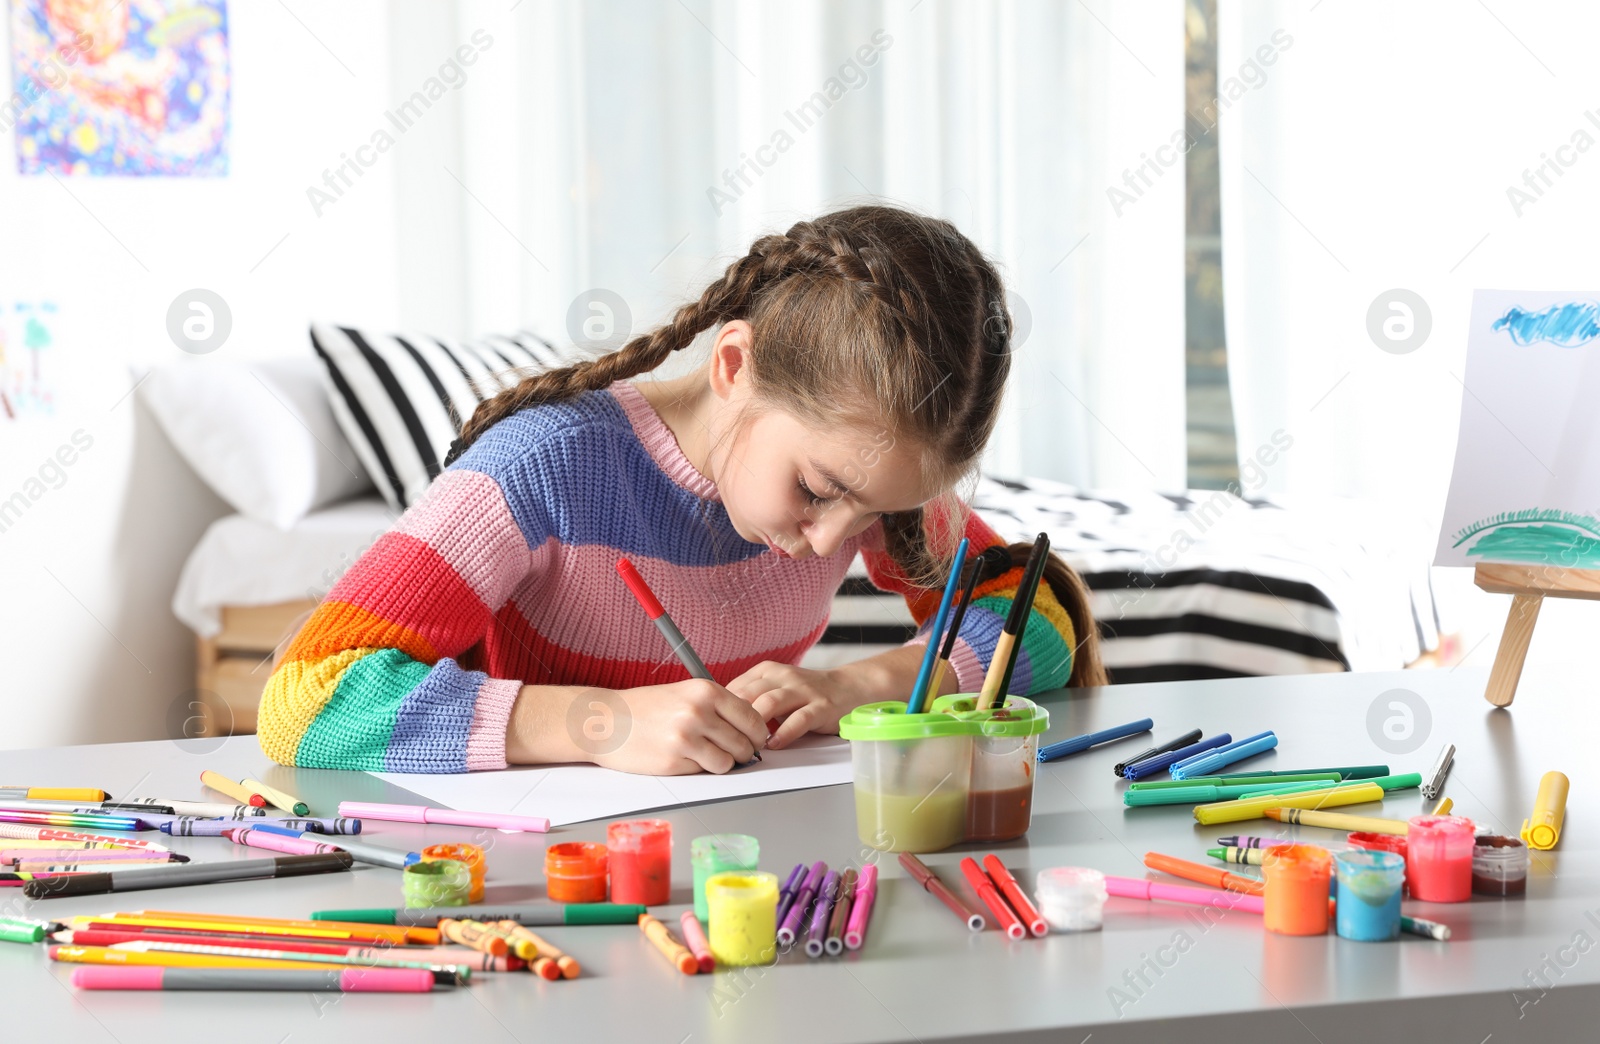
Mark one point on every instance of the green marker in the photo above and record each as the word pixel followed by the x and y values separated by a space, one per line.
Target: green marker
pixel 16 930
pixel 1196 795
pixel 532 915
pixel 1263 779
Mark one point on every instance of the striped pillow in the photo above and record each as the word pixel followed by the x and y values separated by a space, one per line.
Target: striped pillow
pixel 402 398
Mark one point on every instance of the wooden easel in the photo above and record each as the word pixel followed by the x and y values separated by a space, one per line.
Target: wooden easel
pixel 1527 585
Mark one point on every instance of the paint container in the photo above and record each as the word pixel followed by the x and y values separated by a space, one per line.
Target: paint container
pixel 715 854
pixel 470 856
pixel 1439 858
pixel 1499 865
pixel 912 774
pixel 1296 899
pixel 1071 898
pixel 1369 894
pixel 575 872
pixel 1005 759
pixel 640 853
pixel 446 882
pixel 743 927
pixel 1381 843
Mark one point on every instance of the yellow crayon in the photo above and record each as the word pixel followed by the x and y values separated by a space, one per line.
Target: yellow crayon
pixel 1339 821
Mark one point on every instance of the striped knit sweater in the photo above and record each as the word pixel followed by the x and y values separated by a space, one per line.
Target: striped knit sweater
pixel 503 574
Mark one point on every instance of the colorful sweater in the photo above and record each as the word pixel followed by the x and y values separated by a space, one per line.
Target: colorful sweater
pixel 504 573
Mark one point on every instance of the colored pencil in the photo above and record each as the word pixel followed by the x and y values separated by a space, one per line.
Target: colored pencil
pixel 186 874
pixel 534 914
pixel 396 934
pixel 452 972
pixel 919 689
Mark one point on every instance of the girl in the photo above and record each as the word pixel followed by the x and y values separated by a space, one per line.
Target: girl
pixel 854 378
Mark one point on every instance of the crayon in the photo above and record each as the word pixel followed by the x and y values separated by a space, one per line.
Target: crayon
pixel 475 935
pixel 1339 821
pixel 1251 841
pixel 699 945
pixel 669 947
pixel 566 967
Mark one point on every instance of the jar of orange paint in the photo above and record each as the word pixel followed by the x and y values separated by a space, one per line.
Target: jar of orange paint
pixel 575 872
pixel 1296 900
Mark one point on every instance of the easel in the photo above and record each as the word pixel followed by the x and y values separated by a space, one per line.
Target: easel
pixel 1527 585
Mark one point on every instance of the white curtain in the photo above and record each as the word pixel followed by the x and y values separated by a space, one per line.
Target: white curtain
pixel 1385 149
pixel 638 147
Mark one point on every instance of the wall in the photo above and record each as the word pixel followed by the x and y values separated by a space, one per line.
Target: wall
pixel 92 651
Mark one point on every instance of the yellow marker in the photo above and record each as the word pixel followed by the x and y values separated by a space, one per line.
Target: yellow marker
pixel 1339 821
pixel 1543 828
pixel 1443 807
pixel 54 793
pixel 223 785
pixel 148 958
pixel 277 798
pixel 1253 808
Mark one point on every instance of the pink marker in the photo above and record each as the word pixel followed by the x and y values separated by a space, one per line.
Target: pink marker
pixel 695 937
pixel 277 842
pixel 1135 888
pixel 347 980
pixel 855 933
pixel 424 814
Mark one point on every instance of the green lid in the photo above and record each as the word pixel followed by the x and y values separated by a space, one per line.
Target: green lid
pixel 19 932
pixel 889 721
pixel 1017 717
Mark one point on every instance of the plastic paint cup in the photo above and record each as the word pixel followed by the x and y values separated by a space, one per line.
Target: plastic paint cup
pixel 641 861
pixel 445 882
pixel 1369 894
pixel 1005 760
pixel 744 918
pixel 1296 899
pixel 1499 865
pixel 715 854
pixel 912 774
pixel 470 856
pixel 575 872
pixel 1439 858
pixel 1071 898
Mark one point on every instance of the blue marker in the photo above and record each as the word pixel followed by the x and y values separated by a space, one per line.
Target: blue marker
pixel 1094 739
pixel 1160 762
pixel 1211 761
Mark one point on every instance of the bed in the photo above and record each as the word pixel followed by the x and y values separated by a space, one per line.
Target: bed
pixel 1193 584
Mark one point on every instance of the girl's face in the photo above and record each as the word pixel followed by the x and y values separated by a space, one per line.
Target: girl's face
pixel 803 491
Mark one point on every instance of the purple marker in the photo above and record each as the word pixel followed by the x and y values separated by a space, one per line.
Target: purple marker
pixel 786 896
pixel 816 939
pixel 790 929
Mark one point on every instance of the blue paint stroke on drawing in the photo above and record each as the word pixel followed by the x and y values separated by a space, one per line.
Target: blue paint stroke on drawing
pixel 1567 325
pixel 1544 535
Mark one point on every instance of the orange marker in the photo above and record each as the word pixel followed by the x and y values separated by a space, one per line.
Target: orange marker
pixel 566 967
pixel 1210 875
pixel 670 948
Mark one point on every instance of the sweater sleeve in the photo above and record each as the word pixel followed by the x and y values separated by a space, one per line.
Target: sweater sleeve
pixel 1044 660
pixel 372 682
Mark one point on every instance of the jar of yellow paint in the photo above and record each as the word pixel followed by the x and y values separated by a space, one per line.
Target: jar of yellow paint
pixel 744 917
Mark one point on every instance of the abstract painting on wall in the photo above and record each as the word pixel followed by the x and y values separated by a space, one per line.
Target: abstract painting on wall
pixel 119 87
pixel 1526 484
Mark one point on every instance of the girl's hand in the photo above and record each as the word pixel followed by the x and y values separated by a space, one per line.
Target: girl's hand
pixel 684 727
pixel 804 700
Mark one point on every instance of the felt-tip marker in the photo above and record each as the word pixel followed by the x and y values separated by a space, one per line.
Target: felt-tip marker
pixel 536 914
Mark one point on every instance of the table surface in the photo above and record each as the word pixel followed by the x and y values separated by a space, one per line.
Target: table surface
pixel 1516 969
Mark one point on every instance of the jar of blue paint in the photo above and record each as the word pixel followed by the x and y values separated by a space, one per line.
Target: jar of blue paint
pixel 1369 894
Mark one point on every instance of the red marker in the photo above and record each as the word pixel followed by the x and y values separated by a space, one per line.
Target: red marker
pixel 991 898
pixel 1014 895
pixel 658 616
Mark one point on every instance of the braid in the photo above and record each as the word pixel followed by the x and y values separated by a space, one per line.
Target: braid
pixel 729 297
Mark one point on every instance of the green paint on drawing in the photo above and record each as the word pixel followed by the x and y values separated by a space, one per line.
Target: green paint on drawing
pixel 1546 544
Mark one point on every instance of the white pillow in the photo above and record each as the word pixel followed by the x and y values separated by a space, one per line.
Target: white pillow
pixel 262 435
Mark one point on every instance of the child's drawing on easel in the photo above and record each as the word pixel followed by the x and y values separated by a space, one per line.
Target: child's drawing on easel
pixel 27 335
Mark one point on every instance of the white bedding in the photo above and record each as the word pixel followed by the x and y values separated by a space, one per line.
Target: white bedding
pixel 243 562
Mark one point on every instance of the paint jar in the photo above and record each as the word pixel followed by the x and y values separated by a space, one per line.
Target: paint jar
pixel 1005 759
pixel 470 856
pixel 1499 865
pixel 1296 893
pixel 912 773
pixel 743 926
pixel 1071 898
pixel 1381 843
pixel 1439 858
pixel 575 872
pixel 715 854
pixel 1369 894
pixel 446 882
pixel 640 851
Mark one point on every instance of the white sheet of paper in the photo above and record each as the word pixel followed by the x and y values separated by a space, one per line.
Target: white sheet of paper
pixel 1526 482
pixel 567 794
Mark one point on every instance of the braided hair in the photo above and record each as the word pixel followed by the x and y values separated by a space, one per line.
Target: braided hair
pixel 875 317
